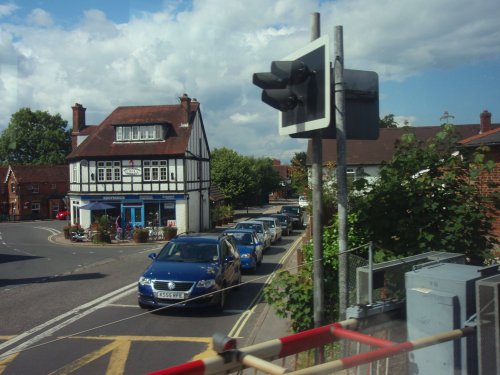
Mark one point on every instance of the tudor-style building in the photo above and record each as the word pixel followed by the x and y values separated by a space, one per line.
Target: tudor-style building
pixel 147 162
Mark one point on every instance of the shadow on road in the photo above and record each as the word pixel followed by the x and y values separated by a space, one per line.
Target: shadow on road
pixel 51 279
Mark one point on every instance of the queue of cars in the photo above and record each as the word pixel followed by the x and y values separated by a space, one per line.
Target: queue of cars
pixel 198 270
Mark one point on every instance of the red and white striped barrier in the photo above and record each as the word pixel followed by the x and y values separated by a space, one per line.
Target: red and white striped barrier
pixel 259 355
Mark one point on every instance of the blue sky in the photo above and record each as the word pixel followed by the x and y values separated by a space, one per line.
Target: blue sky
pixel 432 56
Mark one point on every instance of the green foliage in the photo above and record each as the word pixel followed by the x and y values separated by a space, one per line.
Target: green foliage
pixel 291 295
pixel 388 122
pixel 243 180
pixel 299 175
pixel 35 138
pixel 428 198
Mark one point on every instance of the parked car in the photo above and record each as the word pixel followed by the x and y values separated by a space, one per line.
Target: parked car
pixel 262 229
pixel 62 215
pixel 191 270
pixel 250 248
pixel 295 212
pixel 303 201
pixel 274 227
pixel 286 223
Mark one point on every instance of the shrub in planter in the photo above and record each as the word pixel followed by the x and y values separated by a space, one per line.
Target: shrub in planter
pixel 169 233
pixel 141 235
pixel 66 231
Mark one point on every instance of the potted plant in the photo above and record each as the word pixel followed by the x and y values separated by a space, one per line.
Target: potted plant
pixel 169 232
pixel 103 234
pixel 141 235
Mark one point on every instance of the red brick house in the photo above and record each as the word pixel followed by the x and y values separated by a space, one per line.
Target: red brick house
pixel 285 183
pixel 365 157
pixel 35 191
pixel 490 182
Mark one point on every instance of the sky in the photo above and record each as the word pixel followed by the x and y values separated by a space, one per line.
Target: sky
pixel 431 56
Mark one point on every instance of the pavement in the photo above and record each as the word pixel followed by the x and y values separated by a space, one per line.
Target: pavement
pixel 268 326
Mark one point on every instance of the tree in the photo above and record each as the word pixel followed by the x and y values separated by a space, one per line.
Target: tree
pixel 299 175
pixel 388 122
pixel 35 138
pixel 428 198
pixel 232 174
pixel 267 178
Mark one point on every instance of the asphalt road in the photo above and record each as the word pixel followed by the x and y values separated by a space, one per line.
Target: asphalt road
pixel 73 309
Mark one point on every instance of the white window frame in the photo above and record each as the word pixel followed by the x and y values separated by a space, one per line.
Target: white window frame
pixel 109 171
pixel 154 170
pixel 134 133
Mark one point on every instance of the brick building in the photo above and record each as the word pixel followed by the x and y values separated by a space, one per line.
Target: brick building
pixel 34 191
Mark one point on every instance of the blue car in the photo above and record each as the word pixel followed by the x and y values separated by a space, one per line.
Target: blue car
pixel 191 270
pixel 250 248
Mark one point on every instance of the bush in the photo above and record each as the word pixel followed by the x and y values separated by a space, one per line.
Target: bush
pixel 141 235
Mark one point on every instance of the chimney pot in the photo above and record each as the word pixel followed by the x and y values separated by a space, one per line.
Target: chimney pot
pixel 485 124
pixel 186 105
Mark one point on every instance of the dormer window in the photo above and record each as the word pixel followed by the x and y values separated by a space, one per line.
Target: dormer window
pixel 134 133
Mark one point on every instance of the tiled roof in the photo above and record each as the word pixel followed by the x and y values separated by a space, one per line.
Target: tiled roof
pixel 374 152
pixel 40 173
pixel 100 141
pixel 491 137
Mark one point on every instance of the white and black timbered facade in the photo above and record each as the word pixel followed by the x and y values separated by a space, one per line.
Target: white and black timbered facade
pixel 149 164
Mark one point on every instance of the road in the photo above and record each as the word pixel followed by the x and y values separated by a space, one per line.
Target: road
pixel 74 309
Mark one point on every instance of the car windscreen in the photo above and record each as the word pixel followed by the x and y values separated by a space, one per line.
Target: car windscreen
pixel 293 210
pixel 256 227
pixel 187 252
pixel 242 238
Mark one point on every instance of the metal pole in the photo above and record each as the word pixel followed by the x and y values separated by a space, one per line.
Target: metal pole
pixel 370 273
pixel 317 219
pixel 341 168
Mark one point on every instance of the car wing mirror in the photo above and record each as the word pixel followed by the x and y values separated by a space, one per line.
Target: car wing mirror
pixel 152 256
pixel 228 259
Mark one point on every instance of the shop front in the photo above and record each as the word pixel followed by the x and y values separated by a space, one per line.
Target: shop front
pixel 136 211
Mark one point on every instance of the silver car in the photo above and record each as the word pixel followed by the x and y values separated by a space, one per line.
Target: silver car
pixel 262 229
pixel 274 226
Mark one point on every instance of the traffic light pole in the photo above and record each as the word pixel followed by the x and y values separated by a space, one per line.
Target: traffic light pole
pixel 317 219
pixel 341 168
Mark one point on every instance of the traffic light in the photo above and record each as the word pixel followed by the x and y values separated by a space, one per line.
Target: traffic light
pixel 299 87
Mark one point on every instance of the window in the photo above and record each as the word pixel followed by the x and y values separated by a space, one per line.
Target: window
pixel 108 171
pixel 127 133
pixel 36 188
pixel 13 187
pixel 74 173
pixel 53 186
pixel 155 170
pixel 35 208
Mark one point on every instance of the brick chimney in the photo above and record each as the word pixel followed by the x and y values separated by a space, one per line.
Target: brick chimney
pixel 78 123
pixel 186 106
pixel 485 124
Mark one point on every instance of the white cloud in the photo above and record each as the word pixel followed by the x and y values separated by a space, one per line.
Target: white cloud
pixel 211 55
pixel 40 17
pixel 7 9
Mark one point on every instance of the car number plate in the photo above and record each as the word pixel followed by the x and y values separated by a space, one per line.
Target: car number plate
pixel 171 295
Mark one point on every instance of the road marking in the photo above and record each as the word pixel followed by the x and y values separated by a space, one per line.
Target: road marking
pixel 76 314
pixel 243 319
pixel 51 230
pixel 120 348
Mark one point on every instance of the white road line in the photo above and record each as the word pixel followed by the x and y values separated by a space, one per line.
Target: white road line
pixel 51 230
pixel 79 312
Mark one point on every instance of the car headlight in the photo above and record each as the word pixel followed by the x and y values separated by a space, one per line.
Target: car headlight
pixel 144 281
pixel 210 283
pixel 244 256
